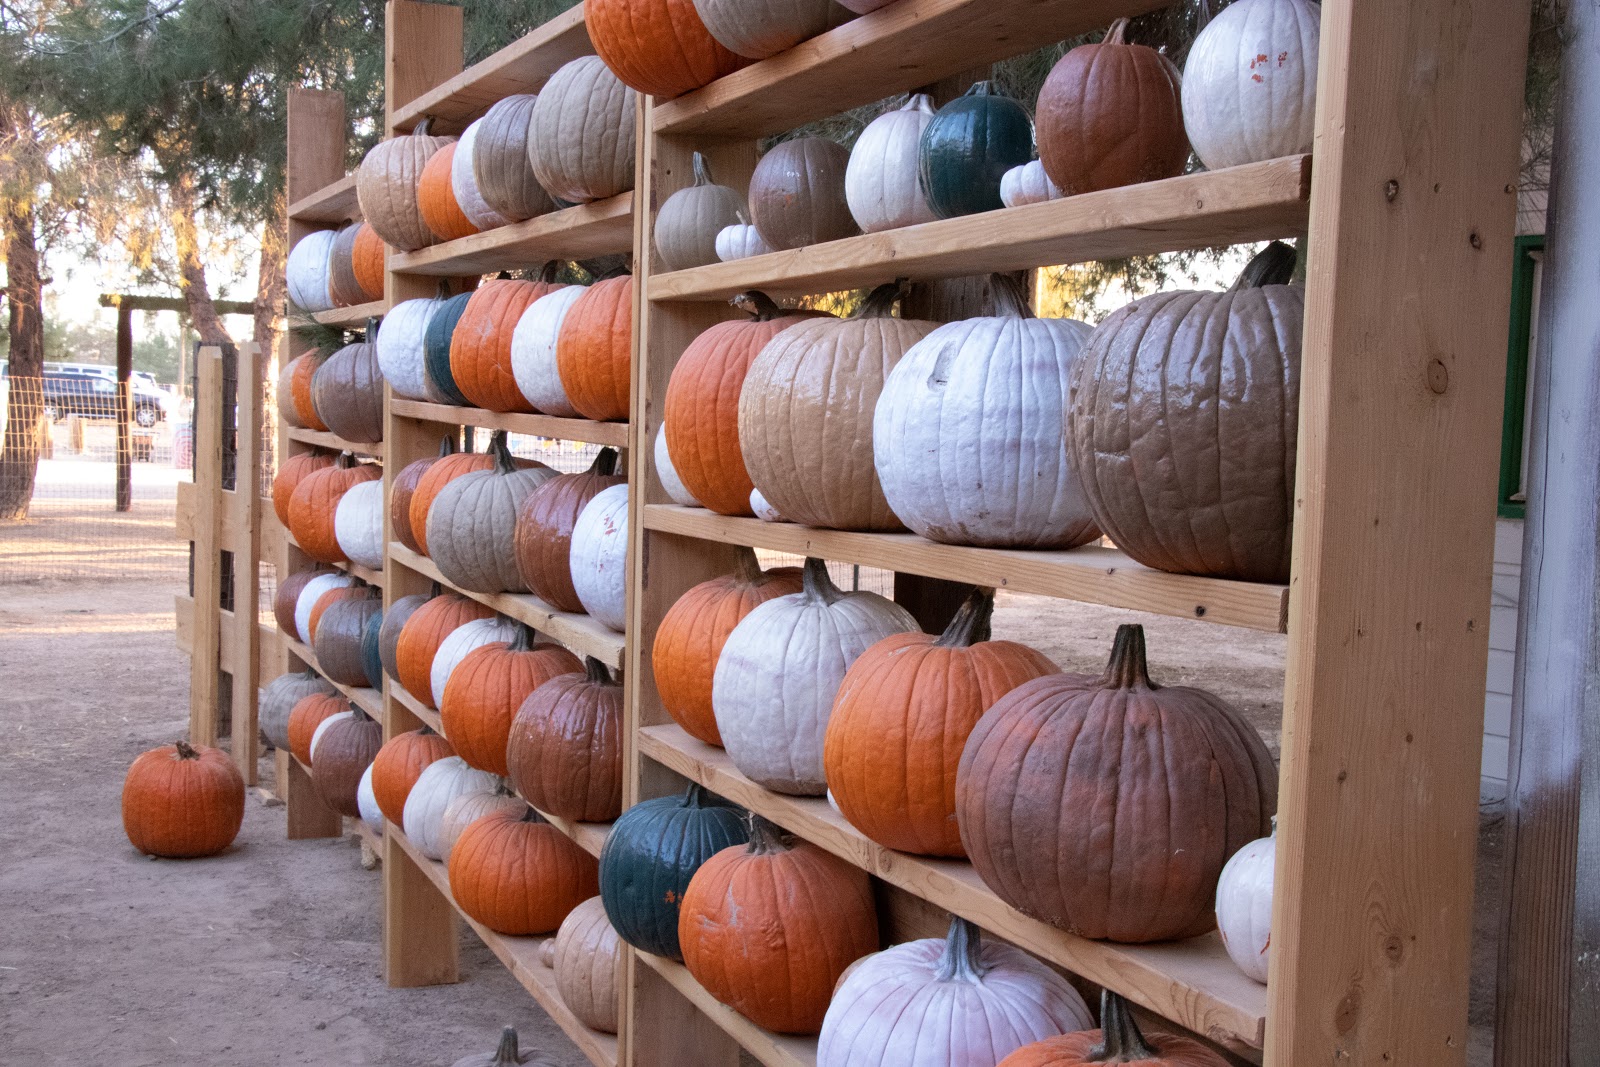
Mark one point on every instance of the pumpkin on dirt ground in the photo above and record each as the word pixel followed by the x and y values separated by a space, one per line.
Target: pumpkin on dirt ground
pixel 182 801
pixel 1119 1040
pixel 518 875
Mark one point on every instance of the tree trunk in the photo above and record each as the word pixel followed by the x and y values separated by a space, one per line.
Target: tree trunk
pixel 25 426
pixel 191 269
pixel 271 285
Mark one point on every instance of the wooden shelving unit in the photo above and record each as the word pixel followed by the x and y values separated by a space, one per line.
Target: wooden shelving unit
pixel 331 442
pixel 581 232
pixel 614 434
pixel 353 317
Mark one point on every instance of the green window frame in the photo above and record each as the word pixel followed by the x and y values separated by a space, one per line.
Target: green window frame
pixel 1525 272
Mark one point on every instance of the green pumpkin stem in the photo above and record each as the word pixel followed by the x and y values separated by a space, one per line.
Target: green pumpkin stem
pixel 758 305
pixel 971 622
pixel 766 838
pixel 524 640
pixel 185 750
pixel 702 171
pixel 880 303
pixel 507 1054
pixel 696 796
pixel 1117 34
pixel 310 674
pixel 985 88
pixel 605 464
pixel 1273 265
pixel 1120 1039
pixel 815 584
pixel 963 953
pixel 746 567
pixel 1010 298
pixel 1128 668
pixel 500 448
pixel 596 672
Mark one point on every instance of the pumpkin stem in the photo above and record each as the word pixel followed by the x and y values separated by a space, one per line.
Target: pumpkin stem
pixel 1120 1039
pixel 371 330
pixel 702 171
pixel 500 448
pixel 503 276
pixel 963 953
pixel 1273 265
pixel 1128 668
pixel 311 675
pixel 424 730
pixel 747 568
pixel 1117 34
pixel 696 796
pixel 605 464
pixel 984 88
pixel 971 622
pixel 548 272
pixel 816 585
pixel 879 303
pixel 185 750
pixel 358 714
pixel 435 588
pixel 596 671
pixel 507 1054
pixel 447 446
pixel 345 461
pixel 502 788
pixel 524 639
pixel 919 102
pixel 757 305
pixel 532 815
pixel 766 838
pixel 423 126
pixel 1010 298
pixel 442 292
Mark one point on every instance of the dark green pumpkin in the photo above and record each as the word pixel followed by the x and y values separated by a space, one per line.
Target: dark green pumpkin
pixel 394 621
pixel 371 662
pixel 653 850
pixel 436 347
pixel 968 147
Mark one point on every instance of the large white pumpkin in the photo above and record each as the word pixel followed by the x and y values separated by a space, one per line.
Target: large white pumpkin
pixel 951 1002
pixel 401 353
pixel 669 474
pixel 1250 83
pixel 600 557
pixel 310 271
pixel 781 668
pixel 440 782
pixel 880 184
pixel 358 524
pixel 278 698
pixel 1244 905
pixel 533 351
pixel 463 640
pixel 1027 184
pixel 367 803
pixel 308 599
pixel 464 183
pixel 967 432
pixel 740 241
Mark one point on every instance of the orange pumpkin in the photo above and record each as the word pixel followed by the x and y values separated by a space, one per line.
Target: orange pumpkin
pixel 901 718
pixel 480 347
pixel 445 470
pixel 422 635
pixel 398 765
pixel 437 201
pixel 594 351
pixel 181 801
pixel 659 47
pixel 306 716
pixel 1117 1041
pixel 404 488
pixel 294 392
pixel 690 638
pixel 518 875
pixel 290 474
pixel 564 751
pixel 542 540
pixel 484 692
pixel 367 260
pixel 769 927
pixel 316 498
pixel 702 405
pixel 327 600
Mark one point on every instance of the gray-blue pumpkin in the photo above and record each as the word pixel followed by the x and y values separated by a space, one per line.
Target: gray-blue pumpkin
pixel 968 147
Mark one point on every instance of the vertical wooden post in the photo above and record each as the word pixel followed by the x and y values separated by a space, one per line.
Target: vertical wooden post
pixel 244 524
pixel 124 408
pixel 1418 115
pixel 204 684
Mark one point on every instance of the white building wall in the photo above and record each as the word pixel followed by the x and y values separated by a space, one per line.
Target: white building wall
pixel 1502 651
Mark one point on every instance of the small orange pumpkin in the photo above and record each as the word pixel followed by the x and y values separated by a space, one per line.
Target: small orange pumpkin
pixel 480 347
pixel 398 765
pixel 488 686
pixel 594 351
pixel 564 752
pixel 290 474
pixel 1118 1040
pixel 518 875
pixel 307 716
pixel 367 260
pixel 422 635
pixel 294 392
pixel 437 201
pixel 182 801
pixel 659 47
pixel 316 498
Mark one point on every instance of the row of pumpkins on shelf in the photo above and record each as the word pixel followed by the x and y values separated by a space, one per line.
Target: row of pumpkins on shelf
pixel 1170 427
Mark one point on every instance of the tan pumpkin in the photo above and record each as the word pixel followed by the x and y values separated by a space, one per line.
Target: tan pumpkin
pixel 797 194
pixel 468 808
pixel 386 188
pixel 480 347
pixel 564 752
pixel 347 391
pixel 291 472
pixel 688 223
pixel 432 482
pixel 294 392
pixel 489 686
pixel 594 353
pixel 441 212
pixel 473 522
pixel 581 136
pixel 659 47
pixel 542 541
pixel 316 498
pixel 757 29
pixel 587 957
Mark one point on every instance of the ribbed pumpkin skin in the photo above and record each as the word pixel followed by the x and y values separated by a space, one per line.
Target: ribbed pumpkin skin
pixel 968 147
pixel 1120 1042
pixel 464 180
pixel 505 179
pixel 309 272
pixel 902 716
pixel 659 47
pixel 519 877
pixel 533 352
pixel 371 656
pixel 402 350
pixel 691 635
pixel 768 929
pixel 594 352
pixel 564 752
pixel 294 392
pixel 581 136
pixel 315 500
pixel 437 200
pixel 422 635
pixel 797 194
pixel 386 188
pixel 440 783
pixel 307 716
pixel 394 621
pixel 1110 115
pixel 358 524
pixel 486 690
pixel 180 802
pixel 287 597
pixel 325 603
pixel 1027 184
pixel 689 221
pixel 436 348
pixel 757 29
pixel 542 542
pixel 588 965
pixel 480 348
pixel 600 557
pixel 305 604
pixel 344 753
pixel 653 850
pixel 278 698
pixel 339 635
pixel 342 281
pixel 473 524
pixel 661 453
pixel 882 184
pixel 291 472
pixel 1107 806
pixel 367 259
pixel 398 765
pixel 440 473
pixel 347 391
pixel 468 808
pixel 371 814
pixel 401 492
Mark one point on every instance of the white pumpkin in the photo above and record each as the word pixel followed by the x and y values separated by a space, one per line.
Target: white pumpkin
pixel 367 802
pixel 1250 83
pixel 587 957
pixel 1027 184
pixel 956 1001
pixel 780 669
pixel 691 220
pixel 310 271
pixel 322 728
pixel 740 241
pixel 1244 905
pixel 581 137
pixel 464 183
pixel 308 599
pixel 468 808
pixel 439 783
pixel 533 352
pixel 401 353
pixel 278 698
pixel 763 508
pixel 880 184
pixel 358 524
pixel 669 474
pixel 967 436
pixel 600 557
pixel 463 640
pixel 757 29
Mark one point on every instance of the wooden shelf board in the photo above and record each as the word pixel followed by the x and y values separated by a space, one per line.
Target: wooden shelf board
pixel 614 434
pixel 352 317
pixel 773 1050
pixel 521 67
pixel 373 839
pixel 368 700
pixel 331 204
pixel 416 707
pixel 590 836
pixel 1193 982
pixel 580 633
pixel 324 439
pixel 521 957
pixel 906 45
pixel 1092 575
pixel 1255 202
pixel 366 574
pixel 582 232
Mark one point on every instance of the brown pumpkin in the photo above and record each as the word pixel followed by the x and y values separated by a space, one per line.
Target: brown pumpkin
pixel 436 200
pixel 542 542
pixel 404 488
pixel 347 391
pixel 581 137
pixel 339 632
pixel 325 603
pixel 769 927
pixel 805 415
pixel 290 474
pixel 394 620
pixel 367 259
pixel 594 351
pixel 564 752
pixel 1107 806
pixel 317 497
pixel 422 635
pixel 398 765
pixel 473 522
pixel 441 473
pixel 182 802
pixel 294 392
pixel 505 177
pixel 386 188
pixel 659 47
pixel 587 957
pixel 488 686
pixel 1118 1040
pixel 343 284
pixel 797 194
pixel 1110 115
pixel 307 716
pixel 468 808
pixel 344 752
pixel 287 597
pixel 902 715
pixel 480 347
pixel 518 875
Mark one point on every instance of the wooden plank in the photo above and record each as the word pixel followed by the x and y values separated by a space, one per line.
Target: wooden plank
pixel 773 1050
pixel 521 67
pixel 421 943
pixel 415 707
pixel 590 836
pixel 333 442
pixel 580 633
pixel 183 609
pixel 243 539
pixel 366 574
pixel 368 700
pixel 1401 394
pixel 204 682
pixel 307 815
pixel 612 434
pixel 318 134
pixel 1091 575
pixel 422 51
pixel 1256 202
pixel 228 517
pixel 335 203
pixel 663 1028
pixel 1193 982
pixel 353 317
pixel 582 232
